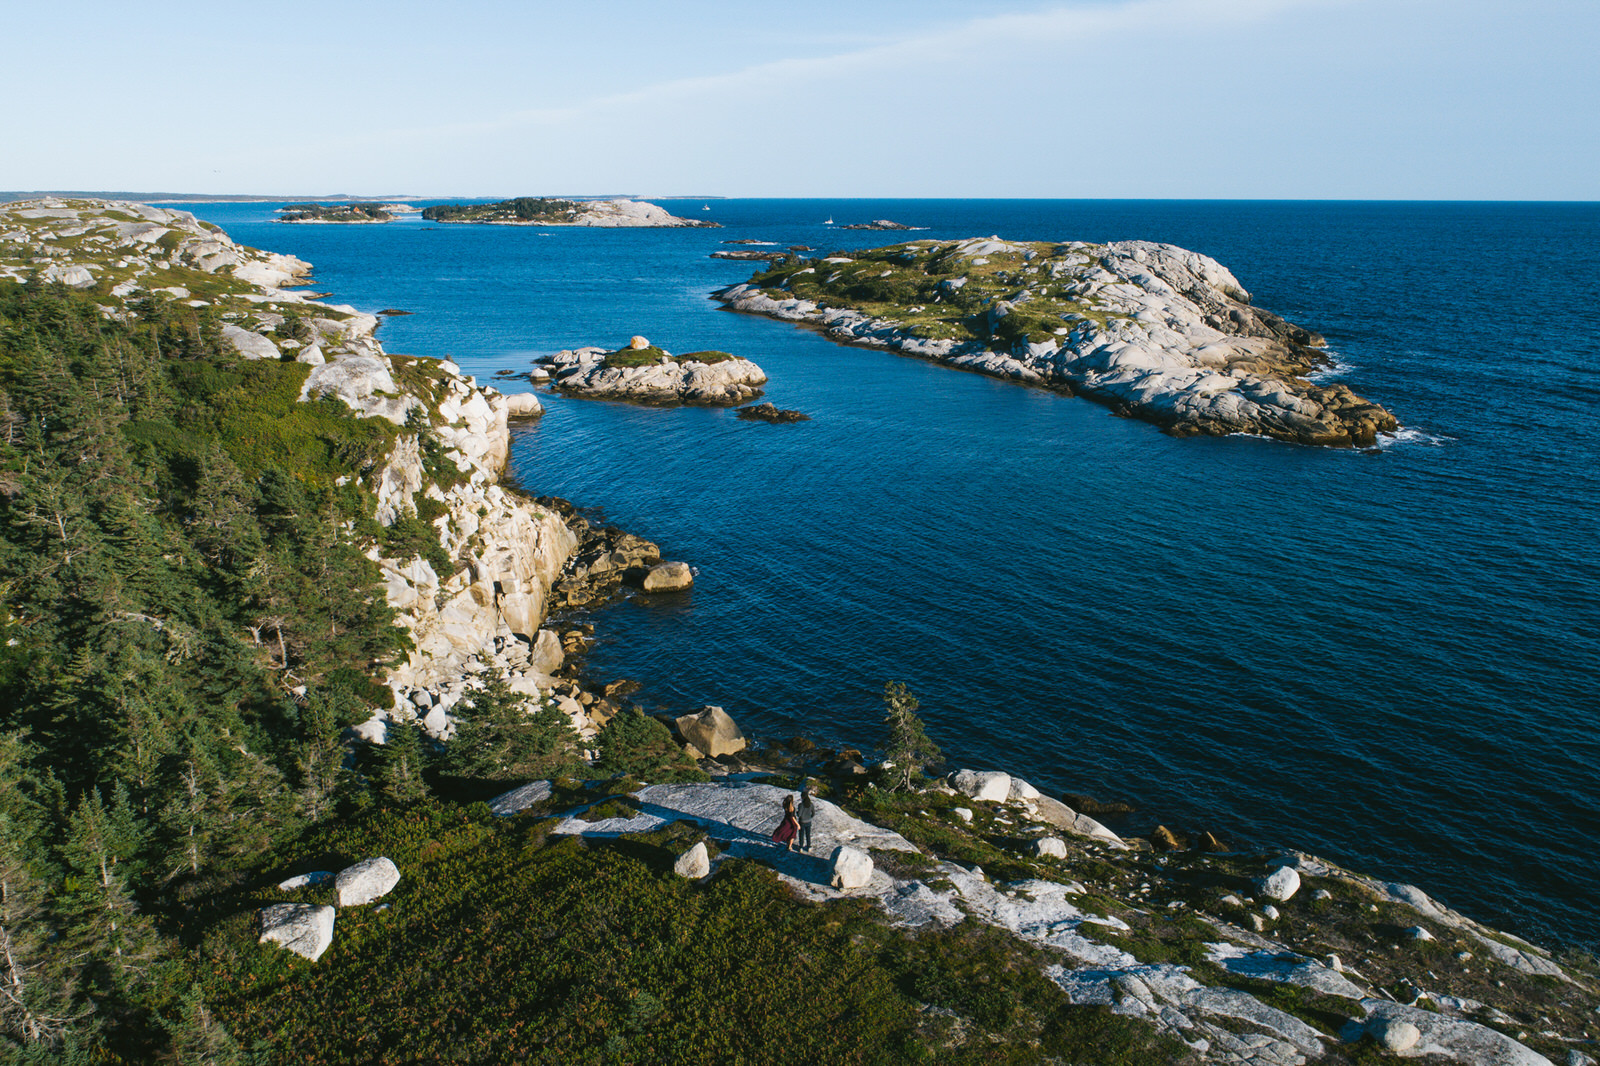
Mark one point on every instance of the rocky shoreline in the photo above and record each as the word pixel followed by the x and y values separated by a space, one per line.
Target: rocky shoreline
pixel 1152 331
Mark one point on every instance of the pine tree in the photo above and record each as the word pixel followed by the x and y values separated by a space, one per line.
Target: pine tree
pixel 401 762
pixel 500 736
pixel 908 748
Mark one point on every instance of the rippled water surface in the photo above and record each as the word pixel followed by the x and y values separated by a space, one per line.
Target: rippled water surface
pixel 1385 657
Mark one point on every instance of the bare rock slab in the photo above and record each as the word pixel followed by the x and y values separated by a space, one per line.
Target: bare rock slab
pixel 365 882
pixel 303 929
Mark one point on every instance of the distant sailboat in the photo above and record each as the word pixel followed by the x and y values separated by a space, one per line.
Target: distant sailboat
pixel 829 222
pixel 707 207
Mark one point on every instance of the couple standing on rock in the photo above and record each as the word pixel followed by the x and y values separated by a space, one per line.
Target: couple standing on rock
pixel 795 828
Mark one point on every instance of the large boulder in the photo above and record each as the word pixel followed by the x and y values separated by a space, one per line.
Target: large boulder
pixel 851 868
pixel 523 405
pixel 669 577
pixel 694 863
pixel 993 786
pixel 366 881
pixel 250 345
pixel 303 929
pixel 1055 813
pixel 712 731
pixel 1281 884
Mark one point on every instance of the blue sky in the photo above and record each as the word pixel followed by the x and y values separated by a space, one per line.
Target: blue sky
pixel 1405 99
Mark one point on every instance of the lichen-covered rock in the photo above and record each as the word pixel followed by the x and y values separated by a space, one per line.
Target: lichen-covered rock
pixel 366 881
pixel 303 929
pixel 520 798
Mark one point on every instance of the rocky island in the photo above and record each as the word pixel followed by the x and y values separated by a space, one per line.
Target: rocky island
pixel 544 211
pixel 348 214
pixel 300 761
pixel 644 373
pixel 1151 330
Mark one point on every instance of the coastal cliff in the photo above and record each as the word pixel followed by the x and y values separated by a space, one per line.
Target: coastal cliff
pixel 1151 330
pixel 473 607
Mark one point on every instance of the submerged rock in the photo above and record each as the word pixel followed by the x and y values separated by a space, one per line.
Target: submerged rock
pixel 766 412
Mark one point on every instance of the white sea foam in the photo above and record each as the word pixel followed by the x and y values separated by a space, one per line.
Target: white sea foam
pixel 1408 435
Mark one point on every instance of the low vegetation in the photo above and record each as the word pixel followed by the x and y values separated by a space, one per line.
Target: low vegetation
pixel 1021 293
pixel 521 209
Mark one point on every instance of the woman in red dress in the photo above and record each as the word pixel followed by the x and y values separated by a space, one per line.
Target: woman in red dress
pixel 790 825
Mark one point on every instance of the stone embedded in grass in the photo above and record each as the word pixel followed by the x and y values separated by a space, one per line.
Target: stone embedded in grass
pixel 1281 884
pixel 1050 848
pixel 694 863
pixel 1394 1035
pixel 303 929
pixel 366 881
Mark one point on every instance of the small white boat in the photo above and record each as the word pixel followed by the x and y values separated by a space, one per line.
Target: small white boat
pixel 829 222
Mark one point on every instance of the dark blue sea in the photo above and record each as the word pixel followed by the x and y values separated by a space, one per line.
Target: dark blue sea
pixel 1386 657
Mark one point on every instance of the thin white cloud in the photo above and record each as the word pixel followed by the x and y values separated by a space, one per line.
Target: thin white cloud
pixel 983 40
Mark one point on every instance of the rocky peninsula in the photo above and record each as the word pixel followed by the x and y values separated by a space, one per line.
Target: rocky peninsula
pixel 343 213
pixel 544 211
pixel 1151 330
pixel 643 373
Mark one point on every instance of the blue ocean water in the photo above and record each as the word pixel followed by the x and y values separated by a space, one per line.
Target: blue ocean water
pixel 1385 657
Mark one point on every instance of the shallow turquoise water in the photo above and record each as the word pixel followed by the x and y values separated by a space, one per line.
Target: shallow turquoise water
pixel 1388 658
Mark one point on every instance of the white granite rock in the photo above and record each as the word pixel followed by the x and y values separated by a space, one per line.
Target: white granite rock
pixel 694 863
pixel 303 929
pixel 1021 791
pixel 250 345
pixel 993 786
pixel 1281 884
pixel 851 868
pixel 1050 848
pixel 366 881
pixel 314 877
pixel 1454 1039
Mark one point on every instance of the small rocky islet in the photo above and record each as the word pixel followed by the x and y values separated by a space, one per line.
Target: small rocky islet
pixel 1154 331
pixel 643 373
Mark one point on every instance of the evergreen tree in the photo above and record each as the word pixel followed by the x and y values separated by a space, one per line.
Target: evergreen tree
pixel 635 745
pixel 908 747
pixel 401 762
pixel 501 735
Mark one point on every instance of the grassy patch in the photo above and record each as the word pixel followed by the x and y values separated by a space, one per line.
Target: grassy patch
pixel 501 944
